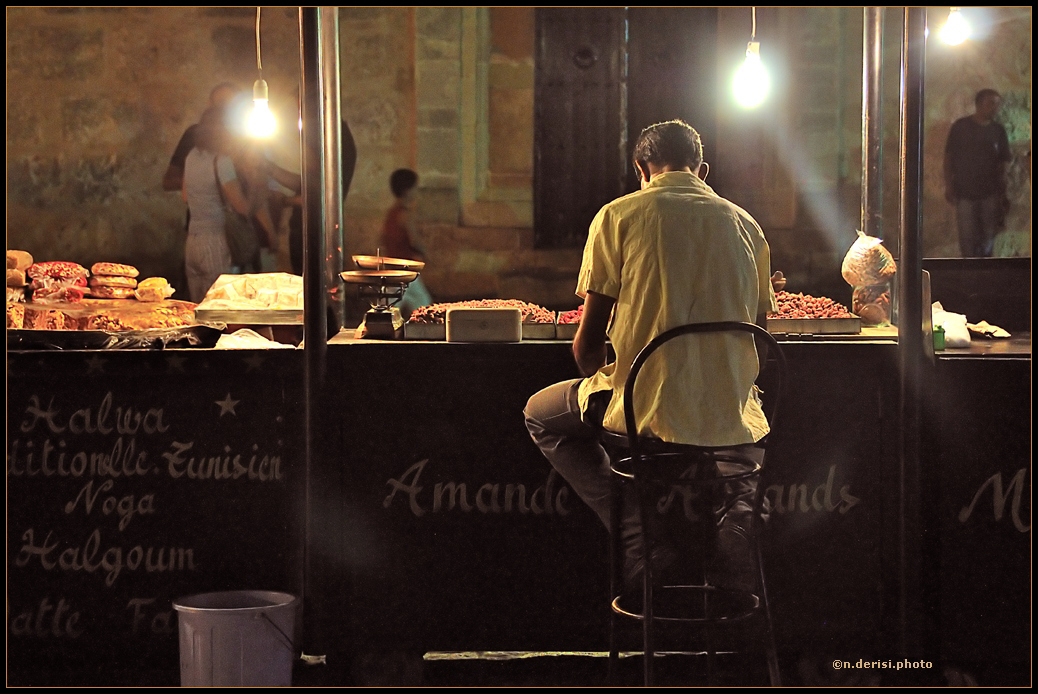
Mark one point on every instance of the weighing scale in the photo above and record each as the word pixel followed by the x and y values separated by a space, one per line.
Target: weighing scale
pixel 383 281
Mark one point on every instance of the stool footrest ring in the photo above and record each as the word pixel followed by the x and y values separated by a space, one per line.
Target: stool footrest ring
pixel 695 604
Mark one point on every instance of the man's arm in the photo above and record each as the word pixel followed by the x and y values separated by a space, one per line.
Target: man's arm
pixel 288 179
pixel 589 344
pixel 762 346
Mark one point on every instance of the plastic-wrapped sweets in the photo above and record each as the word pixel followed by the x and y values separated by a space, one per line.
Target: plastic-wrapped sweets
pixel 869 268
pixel 272 291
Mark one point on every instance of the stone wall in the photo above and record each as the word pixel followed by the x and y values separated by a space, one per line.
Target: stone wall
pixel 98 97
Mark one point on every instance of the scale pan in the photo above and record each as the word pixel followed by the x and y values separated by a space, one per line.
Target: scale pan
pixel 378 262
pixel 379 277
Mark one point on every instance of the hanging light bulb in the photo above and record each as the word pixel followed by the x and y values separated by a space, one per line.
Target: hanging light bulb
pixel 752 83
pixel 956 29
pixel 262 123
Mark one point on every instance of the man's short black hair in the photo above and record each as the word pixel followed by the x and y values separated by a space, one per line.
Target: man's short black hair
pixel 401 181
pixel 674 143
pixel 983 94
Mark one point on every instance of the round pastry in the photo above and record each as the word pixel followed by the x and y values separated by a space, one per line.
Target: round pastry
pixel 111 292
pixel 49 282
pixel 57 269
pixel 116 269
pixel 112 281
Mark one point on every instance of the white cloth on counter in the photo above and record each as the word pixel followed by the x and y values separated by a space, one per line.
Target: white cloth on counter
pixel 248 339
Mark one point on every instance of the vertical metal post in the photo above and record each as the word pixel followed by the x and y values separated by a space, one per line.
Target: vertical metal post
pixel 315 341
pixel 328 19
pixel 872 123
pixel 910 349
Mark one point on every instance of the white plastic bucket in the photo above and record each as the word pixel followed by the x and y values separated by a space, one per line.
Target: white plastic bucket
pixel 237 638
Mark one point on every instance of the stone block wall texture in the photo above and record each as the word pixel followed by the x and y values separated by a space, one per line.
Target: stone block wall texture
pixel 97 99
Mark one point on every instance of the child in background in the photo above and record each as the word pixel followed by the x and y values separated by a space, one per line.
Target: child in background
pixel 395 240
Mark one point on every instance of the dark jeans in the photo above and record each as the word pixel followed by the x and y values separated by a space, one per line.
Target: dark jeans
pixel 978 222
pixel 573 447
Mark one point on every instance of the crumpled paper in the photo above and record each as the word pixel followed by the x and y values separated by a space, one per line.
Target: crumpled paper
pixel 987 330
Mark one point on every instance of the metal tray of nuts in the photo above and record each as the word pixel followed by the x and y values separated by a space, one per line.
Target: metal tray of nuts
pixel 814 326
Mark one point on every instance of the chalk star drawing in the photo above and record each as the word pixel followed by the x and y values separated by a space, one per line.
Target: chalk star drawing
pixel 227 405
pixel 95 363
pixel 253 362
pixel 175 363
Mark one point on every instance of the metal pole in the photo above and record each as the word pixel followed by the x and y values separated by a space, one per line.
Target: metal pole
pixel 910 348
pixel 872 124
pixel 333 243
pixel 315 340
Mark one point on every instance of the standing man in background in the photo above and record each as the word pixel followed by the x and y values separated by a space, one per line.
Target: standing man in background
pixel 975 158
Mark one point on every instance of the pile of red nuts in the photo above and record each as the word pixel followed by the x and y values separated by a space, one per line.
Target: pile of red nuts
pixel 806 306
pixel 573 316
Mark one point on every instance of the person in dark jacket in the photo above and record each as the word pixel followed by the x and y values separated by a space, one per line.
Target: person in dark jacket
pixel 975 157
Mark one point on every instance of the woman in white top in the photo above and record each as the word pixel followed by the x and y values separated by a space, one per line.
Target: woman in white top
pixel 206 186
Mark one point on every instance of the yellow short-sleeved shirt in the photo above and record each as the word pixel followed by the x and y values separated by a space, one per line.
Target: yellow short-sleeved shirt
pixel 670 254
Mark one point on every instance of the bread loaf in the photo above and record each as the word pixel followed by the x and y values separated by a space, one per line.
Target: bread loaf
pixel 18 260
pixel 154 289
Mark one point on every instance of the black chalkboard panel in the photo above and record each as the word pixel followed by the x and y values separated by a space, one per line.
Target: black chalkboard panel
pixel 135 478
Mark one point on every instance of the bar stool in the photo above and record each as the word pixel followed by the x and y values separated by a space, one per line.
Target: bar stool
pixel 654 469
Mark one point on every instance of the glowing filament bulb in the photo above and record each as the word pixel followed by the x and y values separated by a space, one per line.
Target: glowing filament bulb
pixel 957 29
pixel 261 121
pixel 752 83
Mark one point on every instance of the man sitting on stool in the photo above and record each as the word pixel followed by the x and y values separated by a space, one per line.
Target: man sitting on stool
pixel 670 254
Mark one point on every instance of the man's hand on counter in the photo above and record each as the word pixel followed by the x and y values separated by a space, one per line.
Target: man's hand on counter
pixel 589 344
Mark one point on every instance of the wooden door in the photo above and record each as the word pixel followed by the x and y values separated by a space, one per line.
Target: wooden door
pixel 672 57
pixel 602 75
pixel 580 156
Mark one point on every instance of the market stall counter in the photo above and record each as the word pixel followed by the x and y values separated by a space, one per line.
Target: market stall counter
pixel 447 530
pixel 135 477
pixel 461 536
pixel 977 414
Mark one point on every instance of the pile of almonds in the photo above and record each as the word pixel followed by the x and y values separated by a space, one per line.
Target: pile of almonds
pixel 437 313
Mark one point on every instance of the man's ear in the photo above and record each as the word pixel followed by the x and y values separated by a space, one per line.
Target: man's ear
pixel 643 175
